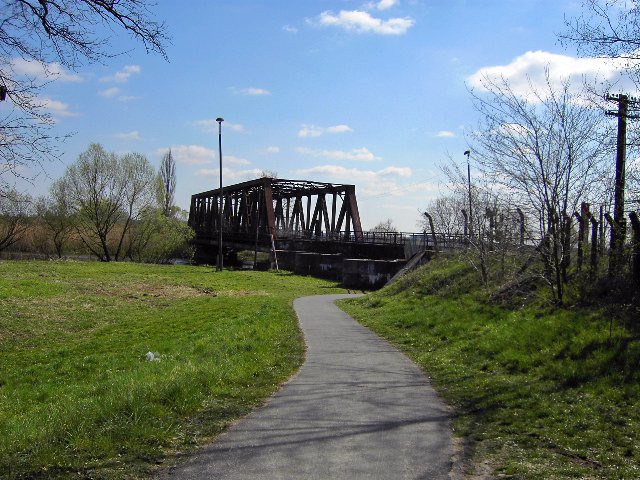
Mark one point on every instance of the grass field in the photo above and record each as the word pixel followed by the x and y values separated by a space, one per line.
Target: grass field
pixel 79 399
pixel 539 392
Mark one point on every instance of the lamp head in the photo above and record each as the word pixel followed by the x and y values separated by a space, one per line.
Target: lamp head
pixel 467 152
pixel 219 119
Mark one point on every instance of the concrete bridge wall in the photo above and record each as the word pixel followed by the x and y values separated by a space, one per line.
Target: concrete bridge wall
pixel 353 273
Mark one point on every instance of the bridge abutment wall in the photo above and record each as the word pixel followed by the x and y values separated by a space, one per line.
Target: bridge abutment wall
pixel 353 273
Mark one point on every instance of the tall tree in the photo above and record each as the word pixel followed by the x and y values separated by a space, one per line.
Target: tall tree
pixel 95 193
pixel 106 191
pixel 55 34
pixel 546 151
pixel 137 175
pixel 167 184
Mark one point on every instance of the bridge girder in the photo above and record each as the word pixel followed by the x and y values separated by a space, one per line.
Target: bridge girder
pixel 282 208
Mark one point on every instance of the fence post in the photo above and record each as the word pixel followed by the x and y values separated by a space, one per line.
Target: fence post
pixel 466 222
pixel 602 245
pixel 594 247
pixel 635 255
pixel 612 225
pixel 580 239
pixel 433 231
pixel 566 245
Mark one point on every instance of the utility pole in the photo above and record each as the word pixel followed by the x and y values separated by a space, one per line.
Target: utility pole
pixel 221 213
pixel 619 227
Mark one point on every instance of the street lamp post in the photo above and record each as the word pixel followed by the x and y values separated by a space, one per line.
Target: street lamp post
pixel 220 120
pixel 468 154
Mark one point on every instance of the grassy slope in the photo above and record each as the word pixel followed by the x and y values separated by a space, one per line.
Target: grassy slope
pixel 78 398
pixel 539 392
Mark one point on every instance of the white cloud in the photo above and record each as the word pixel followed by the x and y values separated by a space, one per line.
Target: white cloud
pixel 190 154
pixel 385 4
pixel 399 171
pixel 307 131
pixel 356 154
pixel 234 127
pixel 313 131
pixel 529 70
pixel 134 135
pixel 234 160
pixel 211 126
pixel 359 21
pixel 110 92
pixel 354 174
pixel 272 149
pixel 445 134
pixel 382 4
pixel 56 107
pixel 123 75
pixel 339 129
pixel 199 155
pixel 229 173
pixel 290 29
pixel 43 71
pixel 250 91
pixel 116 93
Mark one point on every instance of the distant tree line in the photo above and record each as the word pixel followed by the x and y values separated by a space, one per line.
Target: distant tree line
pixel 109 206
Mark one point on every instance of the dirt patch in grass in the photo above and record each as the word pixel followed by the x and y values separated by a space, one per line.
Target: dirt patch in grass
pixel 145 291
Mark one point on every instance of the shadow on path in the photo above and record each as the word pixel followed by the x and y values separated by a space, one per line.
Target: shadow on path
pixel 358 408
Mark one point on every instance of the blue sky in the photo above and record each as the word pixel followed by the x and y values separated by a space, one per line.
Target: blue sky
pixel 370 93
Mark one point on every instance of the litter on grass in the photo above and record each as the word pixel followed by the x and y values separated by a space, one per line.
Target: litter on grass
pixel 152 357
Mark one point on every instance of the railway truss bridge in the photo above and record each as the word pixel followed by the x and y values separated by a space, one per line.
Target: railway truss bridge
pixel 310 227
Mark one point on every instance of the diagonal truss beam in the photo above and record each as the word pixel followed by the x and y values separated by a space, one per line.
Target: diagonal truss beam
pixel 282 208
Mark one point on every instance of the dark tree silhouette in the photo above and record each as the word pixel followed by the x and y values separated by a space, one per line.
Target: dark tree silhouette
pixel 610 29
pixel 55 34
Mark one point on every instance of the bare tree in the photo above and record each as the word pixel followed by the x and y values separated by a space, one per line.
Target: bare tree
pixel 609 28
pixel 106 191
pixel 545 151
pixel 95 194
pixel 56 214
pixel 55 34
pixel 15 209
pixel 385 227
pixel 447 215
pixel 136 174
pixel 167 184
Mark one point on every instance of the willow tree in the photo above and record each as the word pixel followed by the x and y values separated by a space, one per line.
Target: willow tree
pixel 107 194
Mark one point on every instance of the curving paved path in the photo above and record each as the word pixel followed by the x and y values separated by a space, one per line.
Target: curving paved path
pixel 358 408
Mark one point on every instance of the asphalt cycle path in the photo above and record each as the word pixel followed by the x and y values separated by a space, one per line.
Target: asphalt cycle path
pixel 357 409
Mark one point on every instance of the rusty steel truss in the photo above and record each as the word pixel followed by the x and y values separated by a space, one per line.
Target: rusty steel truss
pixel 254 211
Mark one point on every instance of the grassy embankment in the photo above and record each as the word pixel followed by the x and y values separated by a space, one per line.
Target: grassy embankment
pixel 539 392
pixel 78 399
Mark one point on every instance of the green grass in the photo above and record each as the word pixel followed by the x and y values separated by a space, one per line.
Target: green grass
pixel 78 399
pixel 540 392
